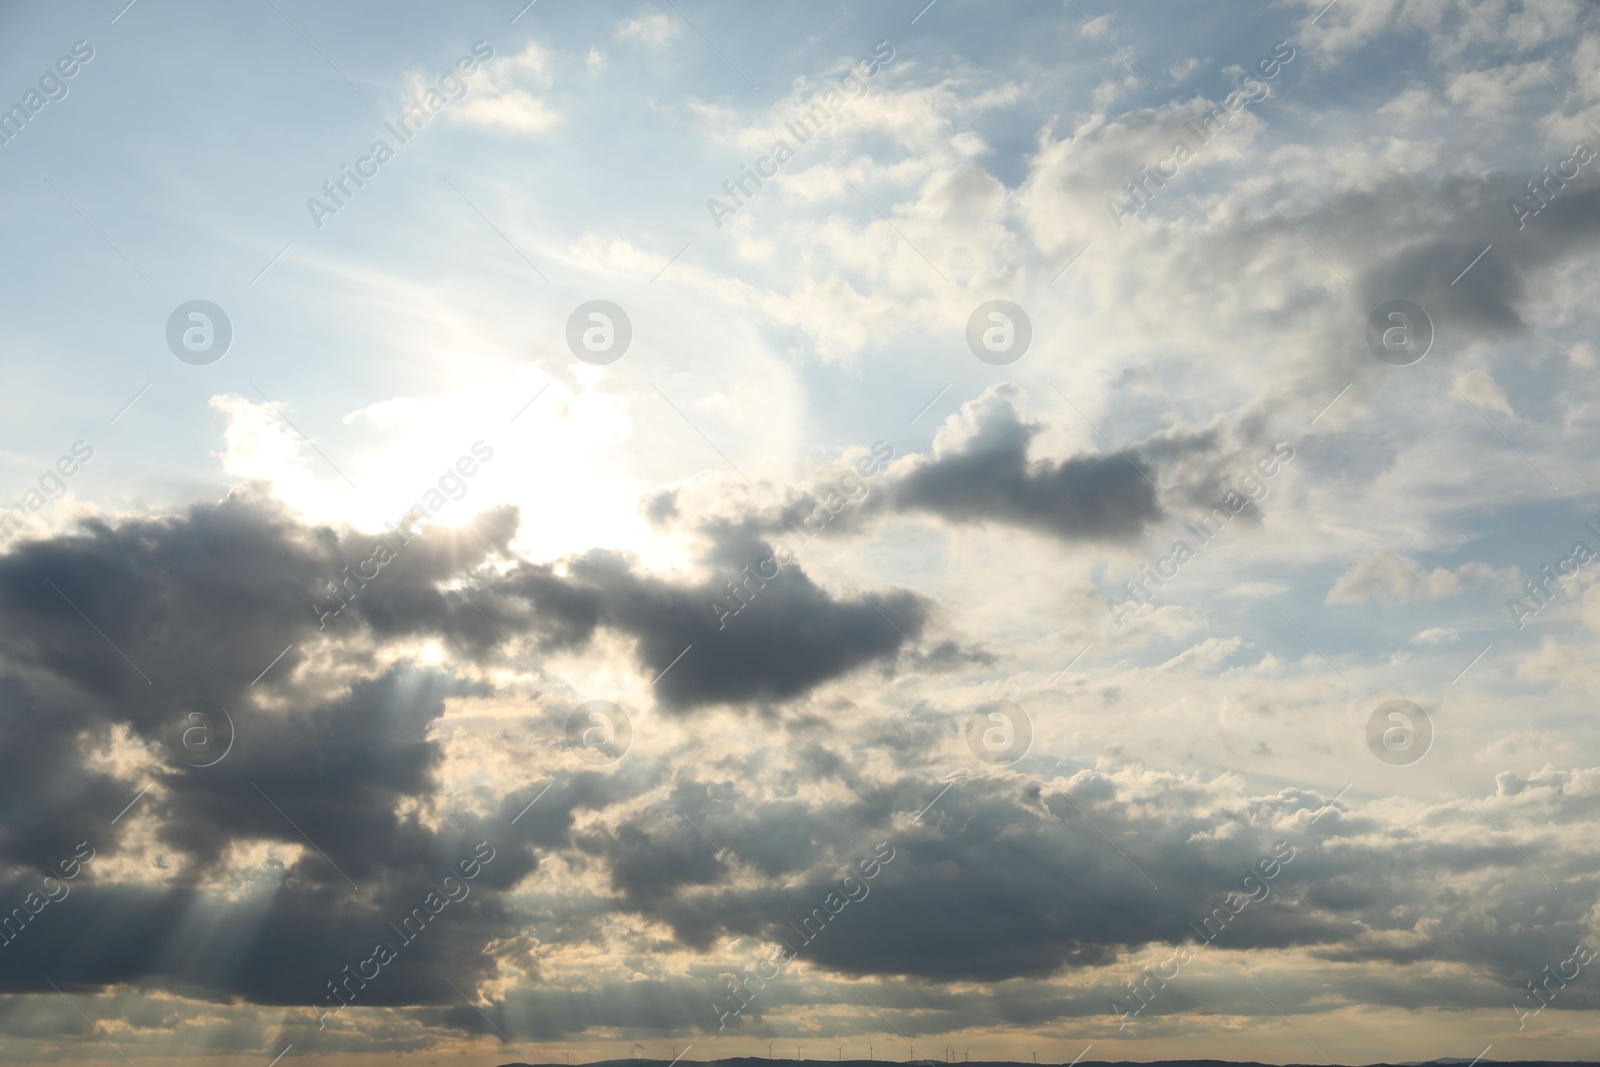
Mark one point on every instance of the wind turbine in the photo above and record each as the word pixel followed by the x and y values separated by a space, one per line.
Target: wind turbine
pixel 1035 1055
pixel 841 1053
pixel 797 1049
pixel 870 1056
pixel 769 1050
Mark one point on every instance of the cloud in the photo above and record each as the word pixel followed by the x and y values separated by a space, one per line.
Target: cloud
pixel 981 471
pixel 333 745
pixel 789 718
pixel 344 749
pixel 654 30
pixel 1207 655
pixel 507 98
pixel 1469 215
pixel 514 110
pixel 751 631
pixel 1390 577
pixel 1480 388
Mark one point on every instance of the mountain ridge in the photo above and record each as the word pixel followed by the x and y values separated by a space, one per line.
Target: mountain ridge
pixel 756 1061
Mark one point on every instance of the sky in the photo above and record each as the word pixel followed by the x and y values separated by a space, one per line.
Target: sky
pixel 683 529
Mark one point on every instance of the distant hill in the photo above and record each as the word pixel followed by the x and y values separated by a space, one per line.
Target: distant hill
pixel 762 1061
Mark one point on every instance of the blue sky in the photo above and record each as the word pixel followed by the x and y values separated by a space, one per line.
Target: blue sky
pixel 413 347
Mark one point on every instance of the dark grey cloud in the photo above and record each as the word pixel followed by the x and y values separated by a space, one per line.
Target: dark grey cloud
pixel 1009 882
pixel 1007 879
pixel 114 628
pixel 757 631
pixel 335 754
pixel 1451 223
pixel 989 477
pixel 981 472
pixel 122 624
